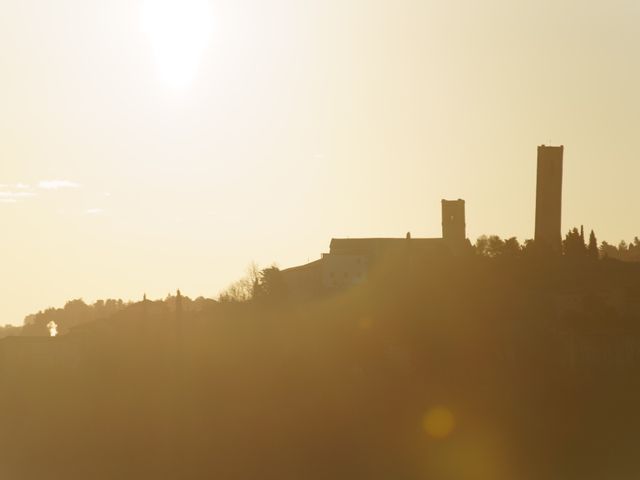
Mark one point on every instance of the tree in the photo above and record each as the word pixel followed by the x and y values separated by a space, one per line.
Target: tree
pixel 608 251
pixel 481 245
pixel 270 285
pixel 493 247
pixel 573 244
pixel 634 250
pixel 511 247
pixel 622 248
pixel 592 250
pixel 528 247
pixel 242 290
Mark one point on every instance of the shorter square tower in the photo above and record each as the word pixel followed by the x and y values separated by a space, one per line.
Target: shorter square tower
pixel 454 227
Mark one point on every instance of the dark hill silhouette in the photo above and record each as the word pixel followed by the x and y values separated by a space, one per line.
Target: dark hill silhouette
pixel 533 359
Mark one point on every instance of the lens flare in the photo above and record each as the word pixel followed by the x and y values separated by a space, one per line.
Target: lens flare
pixel 439 422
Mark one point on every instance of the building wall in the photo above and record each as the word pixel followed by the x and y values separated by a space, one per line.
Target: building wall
pixel 303 281
pixel 350 260
pixel 549 197
pixel 339 271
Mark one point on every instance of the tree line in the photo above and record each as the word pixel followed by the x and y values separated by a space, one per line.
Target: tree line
pixel 574 245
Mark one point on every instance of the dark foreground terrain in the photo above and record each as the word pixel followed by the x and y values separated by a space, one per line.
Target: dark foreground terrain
pixel 535 365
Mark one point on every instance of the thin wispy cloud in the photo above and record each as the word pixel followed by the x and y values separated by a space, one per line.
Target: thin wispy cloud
pixel 17 186
pixel 15 195
pixel 94 211
pixel 57 184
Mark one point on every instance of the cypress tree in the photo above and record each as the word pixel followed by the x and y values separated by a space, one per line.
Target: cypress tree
pixel 593 246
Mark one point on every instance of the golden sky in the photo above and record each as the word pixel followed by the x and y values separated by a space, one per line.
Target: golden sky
pixel 149 146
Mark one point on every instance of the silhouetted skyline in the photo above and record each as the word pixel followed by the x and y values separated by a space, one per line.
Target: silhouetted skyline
pixel 372 272
pixel 266 122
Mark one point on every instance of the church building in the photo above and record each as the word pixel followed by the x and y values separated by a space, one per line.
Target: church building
pixel 350 259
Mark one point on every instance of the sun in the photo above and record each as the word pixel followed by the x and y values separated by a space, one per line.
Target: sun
pixel 179 32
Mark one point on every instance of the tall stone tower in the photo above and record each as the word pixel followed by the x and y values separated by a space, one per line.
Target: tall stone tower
pixel 454 227
pixel 549 198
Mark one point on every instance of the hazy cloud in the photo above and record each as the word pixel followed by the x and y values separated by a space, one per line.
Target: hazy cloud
pixel 12 197
pixel 94 211
pixel 57 184
pixel 13 193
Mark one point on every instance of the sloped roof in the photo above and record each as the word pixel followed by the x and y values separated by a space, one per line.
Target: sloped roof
pixel 303 268
pixel 377 246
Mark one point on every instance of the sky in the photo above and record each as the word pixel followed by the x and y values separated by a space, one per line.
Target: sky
pixel 149 145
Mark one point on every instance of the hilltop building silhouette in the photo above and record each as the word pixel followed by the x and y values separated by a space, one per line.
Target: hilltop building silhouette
pixel 350 259
pixel 549 198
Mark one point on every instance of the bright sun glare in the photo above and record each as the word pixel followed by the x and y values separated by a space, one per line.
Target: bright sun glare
pixel 179 32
